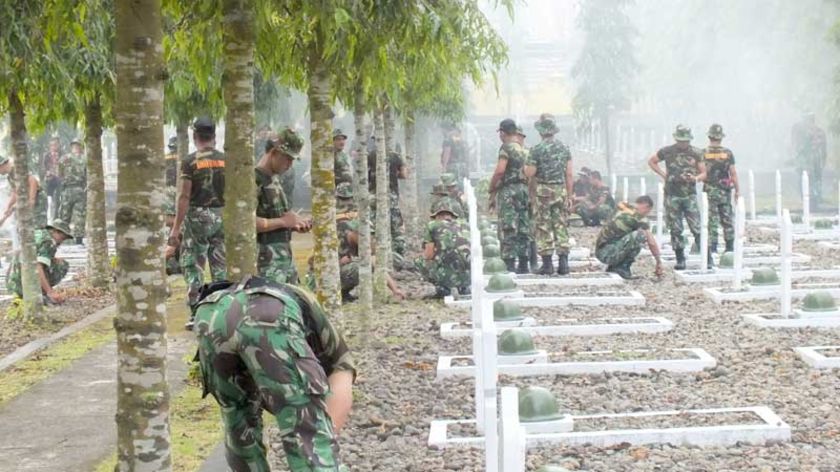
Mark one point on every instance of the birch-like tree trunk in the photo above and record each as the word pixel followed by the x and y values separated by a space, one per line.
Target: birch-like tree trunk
pixel 325 250
pixel 240 188
pixel 98 263
pixel 365 289
pixel 409 190
pixel 143 439
pixel 182 132
pixel 24 217
pixel 383 217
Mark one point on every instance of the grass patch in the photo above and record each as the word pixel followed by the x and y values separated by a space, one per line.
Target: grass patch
pixel 41 365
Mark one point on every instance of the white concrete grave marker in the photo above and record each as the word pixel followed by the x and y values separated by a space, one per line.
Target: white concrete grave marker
pixel 614 185
pixel 660 214
pixel 751 182
pixel 778 197
pixel 642 186
pixel 806 201
pixel 816 356
pixel 738 246
pixel 625 189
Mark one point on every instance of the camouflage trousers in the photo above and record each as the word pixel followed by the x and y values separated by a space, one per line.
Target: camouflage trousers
pixel 677 208
pixel 443 275
pixel 514 221
pixel 203 243
pixel 173 264
pixel 349 274
pixel 55 274
pixel 72 210
pixel 720 214
pixel 550 230
pixel 397 232
pixel 275 263
pixel 267 364
pixel 621 252
pixel 594 215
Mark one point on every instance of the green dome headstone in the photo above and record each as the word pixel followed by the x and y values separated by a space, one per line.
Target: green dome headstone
pixel 492 251
pixel 494 265
pixel 537 404
pixel 819 301
pixel 765 276
pixel 488 240
pixel 500 283
pixel 516 342
pixel 504 310
pixel 823 224
pixel 727 260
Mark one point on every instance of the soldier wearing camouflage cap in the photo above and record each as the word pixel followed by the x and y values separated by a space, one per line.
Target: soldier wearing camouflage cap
pixel 721 181
pixel 549 166
pixel 72 170
pixel 51 270
pixel 343 170
pixel 449 182
pixel 345 204
pixel 198 212
pixel 453 157
pixel 446 251
pixel 37 196
pixel 683 169
pixel 275 220
pixel 267 346
pixel 620 239
pixel 509 194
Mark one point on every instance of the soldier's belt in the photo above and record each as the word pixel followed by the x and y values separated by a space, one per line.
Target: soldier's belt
pixel 549 182
pixel 277 236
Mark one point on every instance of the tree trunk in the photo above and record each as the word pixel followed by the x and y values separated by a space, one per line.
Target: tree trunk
pixel 143 439
pixel 240 188
pixel 182 132
pixel 383 217
pixel 390 148
pixel 325 250
pixel 24 217
pixel 98 263
pixel 365 289
pixel 410 188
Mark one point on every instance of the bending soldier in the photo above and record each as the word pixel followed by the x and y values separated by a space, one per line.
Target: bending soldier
pixel 51 270
pixel 599 205
pixel 266 346
pixel 620 240
pixel 446 251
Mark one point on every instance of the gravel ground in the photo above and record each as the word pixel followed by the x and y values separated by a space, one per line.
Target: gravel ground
pixel 397 396
pixel 80 303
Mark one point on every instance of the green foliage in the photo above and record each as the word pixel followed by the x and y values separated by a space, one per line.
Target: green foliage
pixel 15 309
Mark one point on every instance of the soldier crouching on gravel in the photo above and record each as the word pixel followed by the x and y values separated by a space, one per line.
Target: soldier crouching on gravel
pixel 446 251
pixel 50 268
pixel 620 240
pixel 263 345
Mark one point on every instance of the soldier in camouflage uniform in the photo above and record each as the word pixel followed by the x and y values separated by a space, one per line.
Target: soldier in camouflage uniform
pixel 72 169
pixel 275 221
pixel 172 168
pixel 396 172
pixel 48 174
pixel 549 167
pixel 199 209
pixel 173 256
pixel 599 204
pixel 266 346
pixel 343 170
pixel 722 179
pixel 453 158
pixel 450 186
pixel 683 169
pixel 509 194
pixel 437 194
pixel 446 251
pixel 810 152
pixel 37 195
pixel 51 270
pixel 620 240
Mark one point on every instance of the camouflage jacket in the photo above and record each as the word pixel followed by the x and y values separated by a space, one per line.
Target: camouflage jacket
pixel 271 203
pixel 452 242
pixel 550 157
pixel 343 171
pixel 681 168
pixel 516 155
pixel 719 161
pixel 73 170
pixel 296 312
pixel 625 221
pixel 206 171
pixel 344 227
pixel 596 193
pixel 171 169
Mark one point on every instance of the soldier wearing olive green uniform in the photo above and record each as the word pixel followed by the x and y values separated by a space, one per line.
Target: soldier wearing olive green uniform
pixel 54 269
pixel 72 169
pixel 450 185
pixel 199 209
pixel 343 170
pixel 446 252
pixel 550 166
pixel 266 346
pixel 721 181
pixel 620 239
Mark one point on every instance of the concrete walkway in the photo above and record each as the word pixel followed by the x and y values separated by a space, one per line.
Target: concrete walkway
pixel 66 422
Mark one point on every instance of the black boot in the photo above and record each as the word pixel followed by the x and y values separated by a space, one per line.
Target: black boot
pixel 623 270
pixel 465 290
pixel 710 261
pixel 189 324
pixel 440 293
pixel 347 297
pixel 680 259
pixel 563 264
pixel 79 240
pixel 511 265
pixel 730 245
pixel 547 267
pixel 523 264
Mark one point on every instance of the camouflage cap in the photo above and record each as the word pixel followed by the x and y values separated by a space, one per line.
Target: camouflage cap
pixel 445 205
pixel 344 190
pixel 3 160
pixel 508 126
pixel 337 133
pixel 204 124
pixel 439 189
pixel 173 143
pixel 59 225
pixel 716 132
pixel 448 179
pixel 75 141
pixel 683 133
pixel 520 131
pixel 289 143
pixel 546 124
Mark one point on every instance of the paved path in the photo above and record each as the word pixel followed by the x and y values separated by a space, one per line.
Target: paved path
pixel 66 422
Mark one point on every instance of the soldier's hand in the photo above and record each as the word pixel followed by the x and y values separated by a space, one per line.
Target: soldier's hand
pixel 55 297
pixel 658 270
pixel 492 205
pixel 170 251
pixel 174 239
